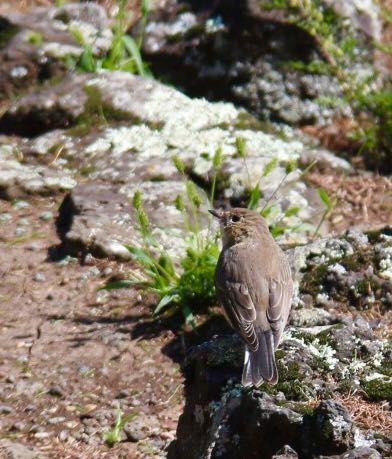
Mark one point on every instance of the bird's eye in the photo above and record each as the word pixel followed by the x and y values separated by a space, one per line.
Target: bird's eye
pixel 235 218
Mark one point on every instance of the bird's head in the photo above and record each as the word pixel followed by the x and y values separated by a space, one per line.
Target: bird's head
pixel 239 224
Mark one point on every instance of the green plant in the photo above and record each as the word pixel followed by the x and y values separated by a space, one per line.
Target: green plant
pixel 113 436
pixel 124 53
pixel 186 285
pixel 329 206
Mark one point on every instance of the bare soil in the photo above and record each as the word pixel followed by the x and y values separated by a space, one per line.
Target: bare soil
pixel 70 354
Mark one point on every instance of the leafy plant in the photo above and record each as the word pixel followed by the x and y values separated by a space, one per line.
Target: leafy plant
pixel 113 436
pixel 186 285
pixel 124 53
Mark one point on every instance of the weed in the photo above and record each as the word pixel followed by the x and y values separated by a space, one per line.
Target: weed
pixel 114 436
pixel 186 285
pixel 329 206
pixel 124 53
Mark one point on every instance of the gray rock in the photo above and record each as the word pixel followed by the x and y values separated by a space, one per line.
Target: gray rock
pixel 310 317
pixel 40 39
pixel 46 216
pixel 331 428
pixel 239 52
pixel 20 180
pixel 56 391
pixel 141 427
pixel 14 450
pixel 285 453
pixel 5 217
pixel 362 452
pixel 39 277
pixel 6 409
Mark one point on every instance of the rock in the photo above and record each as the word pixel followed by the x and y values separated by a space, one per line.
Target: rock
pixel 240 52
pixel 5 409
pixel 93 218
pixel 360 453
pixel 56 391
pixel 285 453
pixel 13 450
pixel 46 216
pixel 141 427
pixel 39 277
pixel 38 41
pixel 21 180
pixel 310 317
pixel 330 429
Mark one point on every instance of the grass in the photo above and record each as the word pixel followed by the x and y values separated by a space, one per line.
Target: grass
pixel 113 436
pixel 124 53
pixel 186 285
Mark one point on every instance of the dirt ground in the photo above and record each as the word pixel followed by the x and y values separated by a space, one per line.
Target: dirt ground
pixel 70 354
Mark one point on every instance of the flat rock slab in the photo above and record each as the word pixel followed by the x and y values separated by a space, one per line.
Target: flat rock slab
pixel 95 218
pixel 20 180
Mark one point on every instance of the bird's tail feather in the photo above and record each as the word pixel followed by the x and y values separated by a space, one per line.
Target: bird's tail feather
pixel 260 365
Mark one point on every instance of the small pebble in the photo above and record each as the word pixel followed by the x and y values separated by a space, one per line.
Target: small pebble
pixel 56 420
pixel 63 435
pixel 20 231
pixel 42 435
pixel 88 259
pixel 40 277
pixel 5 409
pixel 56 391
pixel 95 271
pixel 107 271
pixel 46 216
pixel 19 426
pixel 21 205
pixel 23 222
pixel 5 217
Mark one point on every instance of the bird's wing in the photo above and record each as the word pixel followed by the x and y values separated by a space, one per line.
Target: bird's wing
pixel 235 286
pixel 240 311
pixel 280 294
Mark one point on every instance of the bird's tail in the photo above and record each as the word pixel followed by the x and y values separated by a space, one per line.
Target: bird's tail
pixel 260 365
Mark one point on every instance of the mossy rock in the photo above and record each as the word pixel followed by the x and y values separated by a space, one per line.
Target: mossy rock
pixel 378 389
pixel 313 280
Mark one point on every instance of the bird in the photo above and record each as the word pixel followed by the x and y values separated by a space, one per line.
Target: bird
pixel 254 286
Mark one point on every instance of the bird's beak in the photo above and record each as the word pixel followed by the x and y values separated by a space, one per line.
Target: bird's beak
pixel 217 213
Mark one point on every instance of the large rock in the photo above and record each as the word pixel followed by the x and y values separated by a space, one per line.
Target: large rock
pixel 241 52
pixel 124 129
pixel 37 42
pixel 315 360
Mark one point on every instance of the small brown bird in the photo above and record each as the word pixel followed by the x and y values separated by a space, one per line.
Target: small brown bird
pixel 254 286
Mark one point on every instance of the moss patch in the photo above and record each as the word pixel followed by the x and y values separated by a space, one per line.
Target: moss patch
pixel 378 389
pixel 98 113
pixel 313 280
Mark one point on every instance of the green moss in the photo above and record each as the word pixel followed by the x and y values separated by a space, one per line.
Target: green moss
pixel 357 261
pixel 386 368
pixel 313 279
pixel 290 381
pixel 378 389
pixel 98 113
pixel 303 408
pixel 249 122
